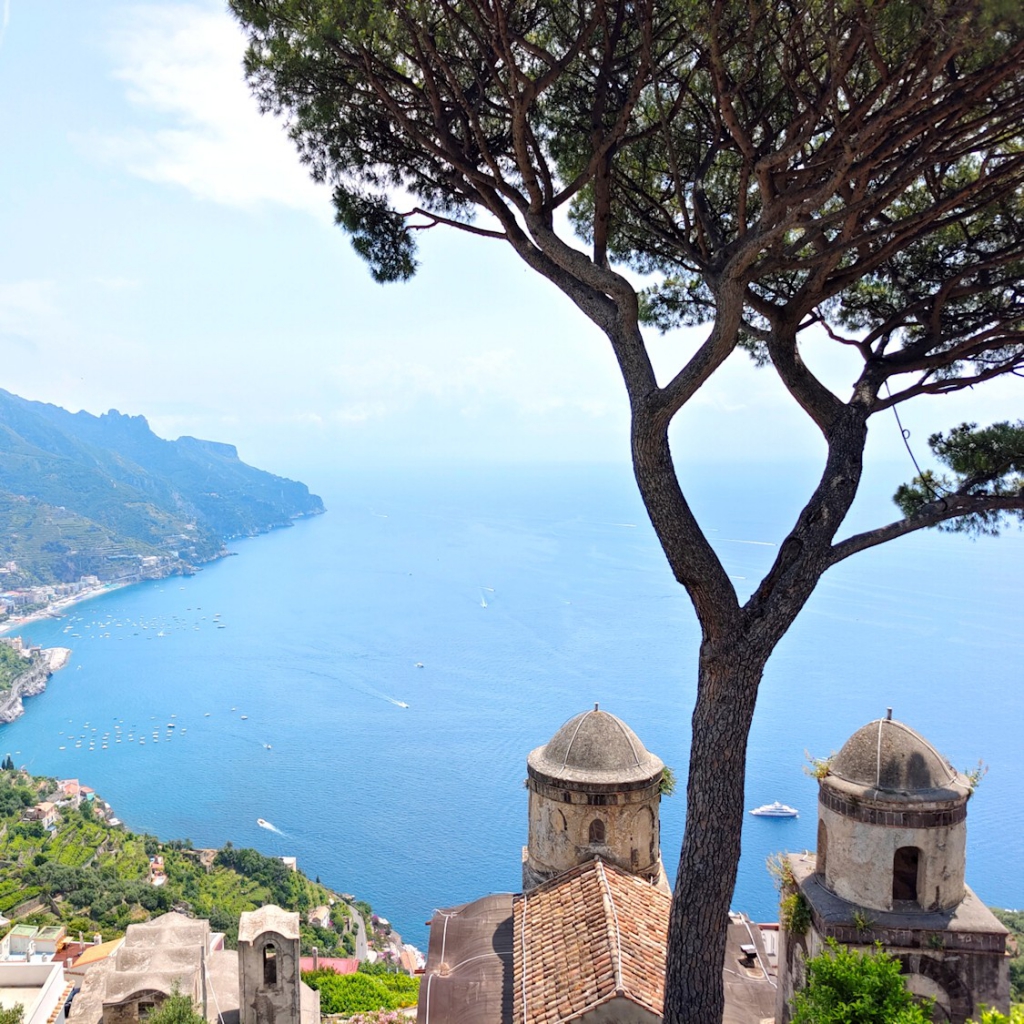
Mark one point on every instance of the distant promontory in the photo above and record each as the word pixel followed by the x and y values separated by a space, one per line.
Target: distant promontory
pixel 98 500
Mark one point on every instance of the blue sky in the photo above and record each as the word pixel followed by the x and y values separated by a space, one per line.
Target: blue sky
pixel 164 253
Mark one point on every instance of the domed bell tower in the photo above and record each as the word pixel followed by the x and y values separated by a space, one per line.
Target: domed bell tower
pixel 595 791
pixel 889 870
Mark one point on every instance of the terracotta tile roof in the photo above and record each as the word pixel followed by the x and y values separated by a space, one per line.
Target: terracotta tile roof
pixel 585 937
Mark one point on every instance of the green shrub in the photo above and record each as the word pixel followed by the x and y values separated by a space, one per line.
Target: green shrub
pixel 361 992
pixel 846 986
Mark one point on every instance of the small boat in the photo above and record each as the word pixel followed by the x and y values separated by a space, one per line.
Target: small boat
pixel 775 810
pixel 265 824
pixel 245 718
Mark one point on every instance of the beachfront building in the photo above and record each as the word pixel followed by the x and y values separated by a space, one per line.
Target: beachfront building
pixel 890 869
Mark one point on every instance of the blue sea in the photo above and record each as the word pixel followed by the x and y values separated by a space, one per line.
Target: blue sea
pixel 371 681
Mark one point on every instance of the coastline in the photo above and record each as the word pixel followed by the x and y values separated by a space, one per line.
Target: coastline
pixel 33 681
pixel 56 609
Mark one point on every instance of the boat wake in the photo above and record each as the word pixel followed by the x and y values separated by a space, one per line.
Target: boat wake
pixel 270 828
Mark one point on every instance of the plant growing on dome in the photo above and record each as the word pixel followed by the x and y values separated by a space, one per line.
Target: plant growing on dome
pixel 975 775
pixel 818 767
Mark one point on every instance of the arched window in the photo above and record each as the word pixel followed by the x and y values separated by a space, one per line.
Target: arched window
pixel 822 847
pixel 904 873
pixel 597 831
pixel 269 964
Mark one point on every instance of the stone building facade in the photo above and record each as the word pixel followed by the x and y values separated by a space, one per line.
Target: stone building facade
pixel 258 984
pixel 270 984
pixel 890 868
pixel 594 791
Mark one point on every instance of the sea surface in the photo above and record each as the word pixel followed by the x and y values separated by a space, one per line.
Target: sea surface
pixel 371 681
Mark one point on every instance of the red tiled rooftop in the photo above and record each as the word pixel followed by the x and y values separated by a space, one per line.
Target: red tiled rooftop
pixel 340 965
pixel 585 937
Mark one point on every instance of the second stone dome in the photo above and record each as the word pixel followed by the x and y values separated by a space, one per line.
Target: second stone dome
pixel 595 747
pixel 888 757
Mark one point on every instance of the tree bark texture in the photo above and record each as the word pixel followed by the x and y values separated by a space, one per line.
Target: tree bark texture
pixel 728 680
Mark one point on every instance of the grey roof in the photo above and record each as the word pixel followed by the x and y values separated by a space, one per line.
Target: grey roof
pixel 155 956
pixel 889 757
pixel 595 747
pixel 469 964
pixel 169 929
pixel 268 919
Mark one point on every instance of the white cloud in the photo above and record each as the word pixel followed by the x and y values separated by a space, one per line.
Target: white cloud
pixel 200 128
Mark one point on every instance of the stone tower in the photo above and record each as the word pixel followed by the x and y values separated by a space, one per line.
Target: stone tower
pixel 595 791
pixel 269 979
pixel 889 868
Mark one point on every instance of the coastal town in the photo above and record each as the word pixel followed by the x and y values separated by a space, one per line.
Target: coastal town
pixel 22 604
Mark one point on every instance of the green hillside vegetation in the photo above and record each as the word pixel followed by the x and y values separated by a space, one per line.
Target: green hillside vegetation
pixel 86 494
pixel 12 664
pixel 92 878
pixel 51 544
pixel 1014 920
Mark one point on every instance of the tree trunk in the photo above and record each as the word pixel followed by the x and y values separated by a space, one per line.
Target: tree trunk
pixel 729 674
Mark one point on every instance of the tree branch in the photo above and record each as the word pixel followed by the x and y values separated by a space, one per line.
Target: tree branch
pixel 951 506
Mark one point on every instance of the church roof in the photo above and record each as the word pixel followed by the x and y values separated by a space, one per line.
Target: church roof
pixel 890 757
pixel 588 944
pixel 595 747
pixel 469 964
pixel 591 935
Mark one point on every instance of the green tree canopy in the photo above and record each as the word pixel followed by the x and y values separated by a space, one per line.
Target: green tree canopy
pixel 792 175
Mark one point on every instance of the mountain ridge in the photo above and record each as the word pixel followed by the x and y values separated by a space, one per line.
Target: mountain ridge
pixel 68 479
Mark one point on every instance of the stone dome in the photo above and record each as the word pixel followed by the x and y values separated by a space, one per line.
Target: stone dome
pixel 595 747
pixel 888 757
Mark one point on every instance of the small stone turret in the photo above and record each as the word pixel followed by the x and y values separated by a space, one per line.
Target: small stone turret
pixel 595 791
pixel 269 979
